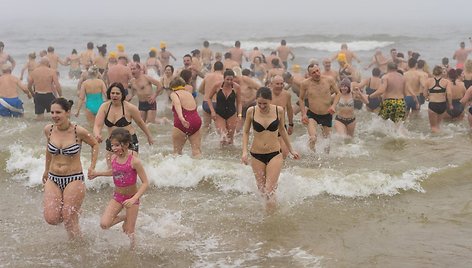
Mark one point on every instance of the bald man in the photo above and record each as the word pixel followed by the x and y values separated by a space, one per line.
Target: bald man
pixel 10 103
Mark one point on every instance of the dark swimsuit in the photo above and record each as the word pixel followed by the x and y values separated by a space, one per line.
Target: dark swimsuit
pixel 374 103
pixel 225 106
pixel 457 108
pixel 437 107
pixel 274 126
pixel 63 180
pixel 122 122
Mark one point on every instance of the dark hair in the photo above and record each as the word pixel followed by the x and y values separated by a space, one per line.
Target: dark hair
pixel 415 55
pixel 50 49
pixel 122 135
pixel 421 64
pixel 228 72
pixel 246 72
pixel 170 66
pixel 265 93
pixel 452 74
pixel 459 72
pixel 400 55
pixel 237 44
pixel 392 66
pixel 152 53
pixel 120 87
pixel 218 66
pixel 376 72
pixel 90 45
pixel 187 56
pixel 177 82
pixel 412 62
pixel 74 51
pixel 283 42
pixel 64 103
pixel 136 58
pixel 228 55
pixel 287 76
pixel 186 75
pixel 275 62
pixel 206 43
pixel 445 61
pixel 102 50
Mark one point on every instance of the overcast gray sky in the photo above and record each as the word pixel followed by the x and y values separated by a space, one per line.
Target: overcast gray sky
pixel 312 10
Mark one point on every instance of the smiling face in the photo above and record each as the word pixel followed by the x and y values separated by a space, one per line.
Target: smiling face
pixel 168 71
pixel 59 115
pixel 229 80
pixel 263 104
pixel 118 148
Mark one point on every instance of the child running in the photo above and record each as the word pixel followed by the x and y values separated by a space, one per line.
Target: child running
pixel 125 167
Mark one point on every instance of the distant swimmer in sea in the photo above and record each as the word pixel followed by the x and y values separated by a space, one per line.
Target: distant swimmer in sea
pixel 92 92
pixel 283 51
pixel 414 80
pixel 207 56
pixel 461 54
pixel 29 65
pixel 10 103
pixel 164 55
pixel 5 57
pixel 379 61
pixel 187 121
pixel 457 89
pixel 44 84
pixel 350 56
pixel 153 65
pixel 371 84
pixel 101 60
pixel 267 121
pixel 73 60
pixel 87 57
pixel 237 53
pixel 126 167
pixel 63 178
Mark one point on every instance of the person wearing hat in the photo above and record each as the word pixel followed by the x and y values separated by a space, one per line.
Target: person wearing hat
pixel 10 104
pixel 152 63
pixel 4 58
pixel 164 55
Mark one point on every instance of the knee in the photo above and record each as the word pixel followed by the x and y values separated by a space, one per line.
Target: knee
pixel 52 220
pixel 105 224
pixel 312 139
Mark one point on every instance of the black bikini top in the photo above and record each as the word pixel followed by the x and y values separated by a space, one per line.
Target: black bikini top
pixel 69 150
pixel 437 88
pixel 122 122
pixel 274 126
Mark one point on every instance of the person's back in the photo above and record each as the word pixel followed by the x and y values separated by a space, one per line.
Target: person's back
pixel 8 85
pixel 120 74
pixel 43 78
pixel 412 79
pixel 395 85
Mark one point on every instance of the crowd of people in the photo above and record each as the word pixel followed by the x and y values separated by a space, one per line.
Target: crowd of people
pixel 235 100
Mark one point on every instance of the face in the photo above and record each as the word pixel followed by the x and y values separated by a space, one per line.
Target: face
pixel 229 79
pixel 118 147
pixel 58 114
pixel 394 53
pixel 168 71
pixel 344 89
pixel 187 61
pixel 327 65
pixel 135 70
pixel 115 94
pixel 315 73
pixel 278 84
pixel 262 103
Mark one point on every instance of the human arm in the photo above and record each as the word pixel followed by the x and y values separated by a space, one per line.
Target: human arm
pixel 85 136
pixel 30 84
pixel 208 97
pixel 56 84
pixel 178 109
pixel 12 61
pixel 23 71
pixel 136 116
pixel 98 123
pixel 47 163
pixel 289 113
pixel 138 166
pixel 157 83
pixel 449 95
pixel 23 88
pixel 467 96
pixel 334 90
pixel 301 101
pixel 201 88
pixel 381 89
pixel 245 138
pixel 283 133
pixel 239 104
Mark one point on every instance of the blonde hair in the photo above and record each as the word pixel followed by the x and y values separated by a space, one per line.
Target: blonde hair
pixel 468 66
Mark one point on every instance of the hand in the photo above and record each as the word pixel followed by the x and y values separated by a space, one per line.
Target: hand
pixel 295 155
pixel 289 130
pixel 129 202
pixel 213 115
pixel 91 174
pixel 99 138
pixel 152 99
pixel 150 140
pixel 244 159
pixel 77 114
pixel 45 177
pixel 305 119
pixel 331 110
pixel 185 123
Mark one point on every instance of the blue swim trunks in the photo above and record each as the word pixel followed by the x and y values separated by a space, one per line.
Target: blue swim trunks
pixel 15 103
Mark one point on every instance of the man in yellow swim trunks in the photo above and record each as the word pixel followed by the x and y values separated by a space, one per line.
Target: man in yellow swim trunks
pixel 393 91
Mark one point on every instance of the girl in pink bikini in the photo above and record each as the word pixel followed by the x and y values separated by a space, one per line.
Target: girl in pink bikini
pixel 125 168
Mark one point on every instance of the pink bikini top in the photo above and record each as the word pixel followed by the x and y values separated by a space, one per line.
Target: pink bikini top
pixel 124 174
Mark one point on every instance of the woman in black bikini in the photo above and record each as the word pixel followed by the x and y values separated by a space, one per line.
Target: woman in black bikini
pixel 64 188
pixel 116 112
pixel 267 121
pixel 439 96
pixel 228 108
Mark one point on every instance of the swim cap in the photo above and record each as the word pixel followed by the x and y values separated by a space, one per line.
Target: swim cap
pixel 178 88
pixel 162 44
pixel 120 47
pixel 153 49
pixel 237 71
pixel 341 57
pixel 296 68
pixel 112 55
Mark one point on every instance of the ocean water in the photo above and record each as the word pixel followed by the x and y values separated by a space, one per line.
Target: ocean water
pixel 386 198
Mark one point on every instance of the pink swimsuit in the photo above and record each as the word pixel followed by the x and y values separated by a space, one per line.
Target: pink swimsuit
pixel 123 175
pixel 191 116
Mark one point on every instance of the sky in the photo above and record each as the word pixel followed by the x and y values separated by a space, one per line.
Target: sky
pixel 416 11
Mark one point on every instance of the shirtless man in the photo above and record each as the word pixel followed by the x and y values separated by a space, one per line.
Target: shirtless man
pixel 328 71
pixel 189 65
pixel 237 53
pixel 120 73
pixel 229 63
pixel 275 70
pixel 283 51
pixel 272 56
pixel 120 52
pixel 164 55
pixel 318 90
pixel 44 85
pixel 209 82
pixel 10 104
pixel 207 55
pixel 88 56
pixel 393 90
pixel 379 61
pixel 248 90
pixel 142 86
pixel 349 54
pixel 461 55
pixel 4 58
pixel 54 60
pixel 413 79
pixel 283 98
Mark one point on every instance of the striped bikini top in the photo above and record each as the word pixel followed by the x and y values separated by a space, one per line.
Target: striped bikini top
pixel 69 150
